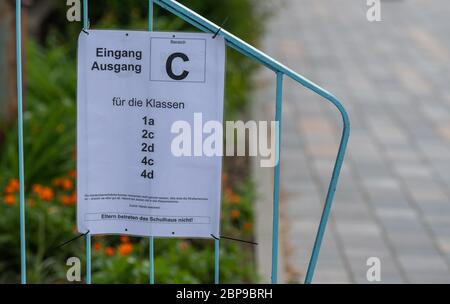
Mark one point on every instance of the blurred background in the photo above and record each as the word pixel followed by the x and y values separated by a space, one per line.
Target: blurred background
pixel 393 198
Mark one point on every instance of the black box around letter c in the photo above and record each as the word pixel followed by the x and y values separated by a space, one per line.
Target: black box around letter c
pixel 177 59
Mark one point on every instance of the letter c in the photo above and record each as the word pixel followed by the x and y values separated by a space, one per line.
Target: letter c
pixel 169 63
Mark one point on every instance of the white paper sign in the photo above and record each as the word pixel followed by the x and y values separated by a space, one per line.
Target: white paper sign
pixel 132 87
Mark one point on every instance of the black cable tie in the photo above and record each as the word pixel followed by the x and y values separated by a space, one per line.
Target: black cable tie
pixel 71 240
pixel 88 26
pixel 220 28
pixel 233 239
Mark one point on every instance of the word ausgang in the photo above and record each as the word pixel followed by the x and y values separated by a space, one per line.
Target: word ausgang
pixel 117 55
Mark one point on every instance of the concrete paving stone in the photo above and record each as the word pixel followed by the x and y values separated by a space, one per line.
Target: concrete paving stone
pixel 396 213
pixel 379 249
pixel 434 151
pixel 372 163
pixel 441 218
pixel 425 190
pixel 305 187
pixel 299 187
pixel 331 276
pixel 357 227
pixel 293 156
pixel 392 196
pixel 423 263
pixel 403 229
pixel 441 169
pixel 402 248
pixel 412 170
pixel 342 212
pixel 384 183
pixel 443 244
pixel 370 242
pixel 429 278
pixel 390 203
pixel 293 173
pixel 299 209
pixel 388 278
pixel 440 230
pixel 433 206
pixel 402 154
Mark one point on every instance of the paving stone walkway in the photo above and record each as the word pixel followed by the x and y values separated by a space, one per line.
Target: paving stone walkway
pixel 393 200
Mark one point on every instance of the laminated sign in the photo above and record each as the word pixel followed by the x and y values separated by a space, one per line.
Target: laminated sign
pixel 147 106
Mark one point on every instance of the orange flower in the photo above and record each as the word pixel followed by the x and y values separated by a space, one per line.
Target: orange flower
pixel 109 251
pixel 98 246
pixel 57 182
pixel 184 246
pixel 14 183
pixel 73 198
pixel 72 173
pixel 248 227
pixel 227 193
pixel 67 184
pixel 46 194
pixel 36 188
pixel 235 199
pixel 124 239
pixel 231 196
pixel 12 186
pixel 235 214
pixel 224 178
pixel 65 199
pixel 125 249
pixel 9 189
pixel 10 199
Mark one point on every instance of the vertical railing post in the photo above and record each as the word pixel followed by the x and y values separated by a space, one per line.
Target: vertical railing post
pixel 276 179
pixel 150 239
pixel 23 254
pixel 216 261
pixel 330 195
pixel 152 261
pixel 85 15
pixel 150 15
pixel 88 258
pixel 88 234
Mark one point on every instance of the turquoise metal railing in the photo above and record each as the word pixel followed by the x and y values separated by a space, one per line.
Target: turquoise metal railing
pixel 23 261
pixel 247 50
pixel 150 239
